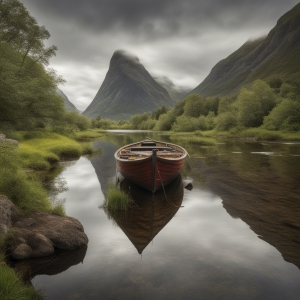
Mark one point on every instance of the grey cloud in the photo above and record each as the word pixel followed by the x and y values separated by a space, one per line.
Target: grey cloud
pixel 180 39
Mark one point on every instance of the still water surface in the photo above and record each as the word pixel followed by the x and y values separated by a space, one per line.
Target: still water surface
pixel 235 235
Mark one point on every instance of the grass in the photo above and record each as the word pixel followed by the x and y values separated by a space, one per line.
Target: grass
pixel 12 287
pixel 117 199
pixel 256 133
pixel 39 151
pixel 192 137
pixel 88 134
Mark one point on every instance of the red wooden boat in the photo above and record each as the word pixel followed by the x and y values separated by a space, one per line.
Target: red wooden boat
pixel 150 164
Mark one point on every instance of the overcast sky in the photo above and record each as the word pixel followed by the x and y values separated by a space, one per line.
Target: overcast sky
pixel 180 39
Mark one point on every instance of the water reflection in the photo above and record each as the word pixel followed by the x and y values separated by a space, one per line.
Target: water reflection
pixel 50 265
pixel 262 190
pixel 224 243
pixel 151 212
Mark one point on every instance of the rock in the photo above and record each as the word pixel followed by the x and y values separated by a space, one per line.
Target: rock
pixel 189 186
pixel 8 214
pixel 4 139
pixel 22 251
pixel 43 232
pixel 39 234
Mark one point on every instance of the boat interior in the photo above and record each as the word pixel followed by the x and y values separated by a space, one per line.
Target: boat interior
pixel 145 149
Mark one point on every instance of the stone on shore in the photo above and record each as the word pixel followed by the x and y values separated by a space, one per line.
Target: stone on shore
pixel 40 233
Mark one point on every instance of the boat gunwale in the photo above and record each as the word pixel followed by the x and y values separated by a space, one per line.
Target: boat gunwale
pixel 170 160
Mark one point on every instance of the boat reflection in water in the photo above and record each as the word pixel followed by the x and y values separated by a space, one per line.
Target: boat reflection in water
pixel 151 213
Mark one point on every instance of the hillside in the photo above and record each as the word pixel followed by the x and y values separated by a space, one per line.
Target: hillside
pixel 68 104
pixel 175 92
pixel 127 89
pixel 275 56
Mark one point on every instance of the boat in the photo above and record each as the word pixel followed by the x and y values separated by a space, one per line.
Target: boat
pixel 149 163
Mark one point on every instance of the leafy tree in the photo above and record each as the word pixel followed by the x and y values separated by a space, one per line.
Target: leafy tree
pixel 136 120
pixel 156 113
pixel 194 105
pixel 226 105
pixel 226 120
pixel 20 30
pixel 211 104
pixel 27 90
pixel 286 115
pixel 288 91
pixel 166 121
pixel 265 95
pixel 184 123
pixel 147 124
pixel 254 104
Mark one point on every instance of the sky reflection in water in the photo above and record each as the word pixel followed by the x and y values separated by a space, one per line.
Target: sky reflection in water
pixel 202 253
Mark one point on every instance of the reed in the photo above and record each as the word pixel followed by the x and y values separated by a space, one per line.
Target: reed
pixel 117 199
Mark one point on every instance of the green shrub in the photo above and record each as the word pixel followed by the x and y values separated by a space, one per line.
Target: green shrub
pixel 58 210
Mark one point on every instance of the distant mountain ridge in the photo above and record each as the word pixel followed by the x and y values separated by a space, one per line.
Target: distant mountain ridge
pixel 68 104
pixel 275 56
pixel 127 89
pixel 175 92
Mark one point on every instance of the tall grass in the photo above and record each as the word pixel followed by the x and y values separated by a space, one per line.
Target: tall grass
pixel 12 287
pixel 117 199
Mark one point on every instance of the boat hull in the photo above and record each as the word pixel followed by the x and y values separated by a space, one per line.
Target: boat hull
pixel 152 173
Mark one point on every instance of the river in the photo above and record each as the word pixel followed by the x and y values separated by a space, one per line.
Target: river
pixel 234 235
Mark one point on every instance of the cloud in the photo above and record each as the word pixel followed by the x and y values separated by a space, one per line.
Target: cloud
pixel 182 40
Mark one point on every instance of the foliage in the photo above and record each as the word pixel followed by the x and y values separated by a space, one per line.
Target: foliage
pixel 226 121
pixel 156 113
pixel 194 105
pixel 136 120
pixel 27 99
pixel 254 104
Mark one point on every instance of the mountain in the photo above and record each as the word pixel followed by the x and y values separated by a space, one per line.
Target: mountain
pixel 176 93
pixel 68 104
pixel 274 56
pixel 127 89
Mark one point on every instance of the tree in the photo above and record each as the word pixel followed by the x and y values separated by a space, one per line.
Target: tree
pixel 194 105
pixel 156 113
pixel 136 120
pixel 20 30
pixel 27 90
pixel 254 104
pixel 286 115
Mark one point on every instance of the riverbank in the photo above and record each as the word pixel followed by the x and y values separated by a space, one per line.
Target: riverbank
pixel 250 133
pixel 19 156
